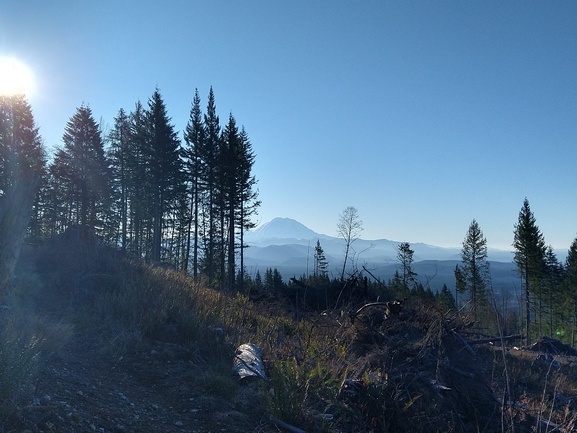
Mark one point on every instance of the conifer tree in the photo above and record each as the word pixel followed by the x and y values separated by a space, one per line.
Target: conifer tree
pixel 570 289
pixel 21 151
pixel 22 164
pixel 165 171
pixel 229 176
pixel 119 155
pixel 320 261
pixel 139 200
pixel 194 139
pixel 445 299
pixel 248 195
pixel 80 173
pixel 552 287
pixel 209 157
pixel 405 258
pixel 475 268
pixel 529 257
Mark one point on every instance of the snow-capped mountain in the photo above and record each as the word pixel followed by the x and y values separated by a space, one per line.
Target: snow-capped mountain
pixel 288 245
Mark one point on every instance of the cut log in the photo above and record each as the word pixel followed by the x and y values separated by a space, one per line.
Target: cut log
pixel 248 362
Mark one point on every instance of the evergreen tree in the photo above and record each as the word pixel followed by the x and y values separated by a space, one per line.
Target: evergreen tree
pixel 229 167
pixel 194 138
pixel 445 299
pixel 475 268
pixel 166 175
pixel 22 154
pixel 119 155
pixel 529 257
pixel 405 257
pixel 552 287
pixel 248 195
pixel 139 189
pixel 22 164
pixel 209 159
pixel 80 173
pixel 460 284
pixel 570 289
pixel 320 261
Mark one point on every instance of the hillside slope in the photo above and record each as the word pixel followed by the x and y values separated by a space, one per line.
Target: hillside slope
pixel 112 345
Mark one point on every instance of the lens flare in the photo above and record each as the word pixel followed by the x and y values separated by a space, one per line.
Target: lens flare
pixel 15 77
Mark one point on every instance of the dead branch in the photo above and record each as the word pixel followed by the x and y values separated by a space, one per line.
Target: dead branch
pixel 497 339
pixel 464 342
pixel 375 278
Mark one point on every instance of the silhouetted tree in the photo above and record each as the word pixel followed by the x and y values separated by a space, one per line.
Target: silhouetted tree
pixel 321 264
pixel 248 195
pixel 22 164
pixel 475 269
pixel 166 175
pixel 529 257
pixel 405 258
pixel 445 299
pixel 194 138
pixel 552 286
pixel 570 289
pixel 349 227
pixel 209 157
pixel 119 154
pixel 80 173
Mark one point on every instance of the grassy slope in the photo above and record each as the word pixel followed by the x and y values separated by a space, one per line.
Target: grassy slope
pixel 80 314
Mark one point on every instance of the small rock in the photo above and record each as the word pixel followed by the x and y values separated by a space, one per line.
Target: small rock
pixel 179 424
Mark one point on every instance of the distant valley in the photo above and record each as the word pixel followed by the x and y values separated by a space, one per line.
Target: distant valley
pixel 288 245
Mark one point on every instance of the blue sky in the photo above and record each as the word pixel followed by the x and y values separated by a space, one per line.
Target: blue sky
pixel 424 115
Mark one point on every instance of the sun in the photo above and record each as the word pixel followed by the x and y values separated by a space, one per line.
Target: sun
pixel 15 77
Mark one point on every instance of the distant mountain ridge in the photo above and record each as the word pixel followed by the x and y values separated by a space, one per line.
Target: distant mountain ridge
pixel 288 245
pixel 283 231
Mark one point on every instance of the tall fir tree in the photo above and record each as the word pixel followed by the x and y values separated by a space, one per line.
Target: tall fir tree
pixel 248 194
pixel 210 159
pixel 80 173
pixel 194 139
pixel 530 249
pixel 22 164
pixel 474 270
pixel 139 196
pixel 119 154
pixel 165 170
pixel 321 263
pixel 570 290
pixel 405 257
pixel 552 288
pixel 229 167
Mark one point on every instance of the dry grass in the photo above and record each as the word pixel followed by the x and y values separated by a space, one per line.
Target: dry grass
pixel 409 373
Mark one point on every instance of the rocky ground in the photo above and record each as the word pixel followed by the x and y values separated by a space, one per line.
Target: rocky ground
pixel 79 390
pixel 82 385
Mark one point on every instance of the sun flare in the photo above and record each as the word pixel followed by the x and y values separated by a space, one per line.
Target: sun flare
pixel 15 77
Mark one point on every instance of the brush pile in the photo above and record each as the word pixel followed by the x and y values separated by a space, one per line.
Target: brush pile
pixel 416 372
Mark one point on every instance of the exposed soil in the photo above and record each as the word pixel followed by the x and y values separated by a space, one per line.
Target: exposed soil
pixel 80 391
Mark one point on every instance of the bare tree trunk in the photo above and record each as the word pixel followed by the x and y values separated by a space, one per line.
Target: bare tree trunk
pixel 15 210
